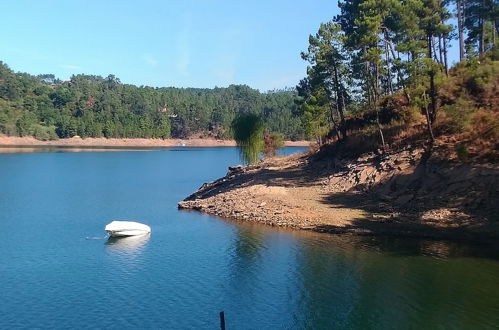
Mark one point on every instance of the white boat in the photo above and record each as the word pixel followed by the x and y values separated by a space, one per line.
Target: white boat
pixel 126 228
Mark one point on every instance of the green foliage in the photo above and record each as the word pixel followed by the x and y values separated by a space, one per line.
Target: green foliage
pixel 494 53
pixel 462 152
pixel 459 116
pixel 44 133
pixel 373 49
pixel 482 77
pixel 325 93
pixel 248 131
pixel 93 106
pixel 25 122
pixel 479 18
pixel 315 110
pixel 376 49
pixel 8 118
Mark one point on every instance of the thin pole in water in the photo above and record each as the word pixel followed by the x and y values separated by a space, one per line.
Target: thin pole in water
pixel 222 321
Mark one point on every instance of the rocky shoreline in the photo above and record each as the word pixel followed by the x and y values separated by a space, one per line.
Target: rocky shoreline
pixel 411 192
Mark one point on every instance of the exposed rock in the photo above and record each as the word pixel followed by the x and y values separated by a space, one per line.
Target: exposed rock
pixel 404 193
pixel 235 170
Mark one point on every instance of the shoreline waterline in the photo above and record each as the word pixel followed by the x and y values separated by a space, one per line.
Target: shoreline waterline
pixel 27 141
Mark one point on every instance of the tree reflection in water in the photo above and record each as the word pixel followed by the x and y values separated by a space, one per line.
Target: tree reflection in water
pixel 391 283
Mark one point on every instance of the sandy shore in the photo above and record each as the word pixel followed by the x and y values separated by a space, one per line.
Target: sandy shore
pixel 103 142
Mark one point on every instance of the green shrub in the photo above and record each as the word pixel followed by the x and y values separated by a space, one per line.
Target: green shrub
pixel 248 132
pixel 25 122
pixel 493 53
pixel 411 114
pixel 482 76
pixel 489 123
pixel 462 152
pixel 459 116
pixel 43 132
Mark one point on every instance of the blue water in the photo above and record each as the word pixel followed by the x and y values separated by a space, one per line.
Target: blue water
pixel 57 271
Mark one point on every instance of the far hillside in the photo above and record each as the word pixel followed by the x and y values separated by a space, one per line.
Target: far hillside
pixel 92 106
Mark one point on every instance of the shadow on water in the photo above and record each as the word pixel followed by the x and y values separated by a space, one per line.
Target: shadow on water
pixel 246 255
pixel 246 252
pixel 383 282
pixel 128 243
pixel 364 295
pixel 346 281
pixel 250 243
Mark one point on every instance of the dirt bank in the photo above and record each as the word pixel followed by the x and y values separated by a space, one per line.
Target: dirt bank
pixel 409 193
pixel 103 142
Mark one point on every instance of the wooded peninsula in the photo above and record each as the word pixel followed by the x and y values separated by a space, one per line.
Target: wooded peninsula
pixel 406 144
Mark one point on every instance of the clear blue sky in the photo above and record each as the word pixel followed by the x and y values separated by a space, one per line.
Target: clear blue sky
pixel 163 43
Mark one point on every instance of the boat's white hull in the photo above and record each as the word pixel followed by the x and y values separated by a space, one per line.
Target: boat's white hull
pixel 122 233
pixel 127 228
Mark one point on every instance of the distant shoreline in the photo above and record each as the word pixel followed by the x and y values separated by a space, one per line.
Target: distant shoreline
pixel 127 142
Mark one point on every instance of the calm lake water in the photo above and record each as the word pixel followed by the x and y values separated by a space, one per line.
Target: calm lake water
pixel 58 271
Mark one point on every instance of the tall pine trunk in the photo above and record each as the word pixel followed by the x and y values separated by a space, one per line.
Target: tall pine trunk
pixel 460 27
pixel 340 102
pixel 435 54
pixel 440 51
pixel 428 120
pixel 399 73
pixel 446 66
pixel 482 37
pixel 388 68
pixel 335 125
pixel 433 108
pixel 494 32
pixel 482 22
pixel 376 99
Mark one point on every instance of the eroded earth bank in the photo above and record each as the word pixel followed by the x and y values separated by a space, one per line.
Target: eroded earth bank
pixel 413 192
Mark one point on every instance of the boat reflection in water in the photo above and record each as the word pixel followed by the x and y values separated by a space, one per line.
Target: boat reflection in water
pixel 127 244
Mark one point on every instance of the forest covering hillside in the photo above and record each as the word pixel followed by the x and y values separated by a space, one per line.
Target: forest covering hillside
pixel 92 106
pixel 379 76
pixel 407 143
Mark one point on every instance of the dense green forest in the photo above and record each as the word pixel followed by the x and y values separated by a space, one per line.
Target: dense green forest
pixel 92 106
pixel 383 63
pixel 374 63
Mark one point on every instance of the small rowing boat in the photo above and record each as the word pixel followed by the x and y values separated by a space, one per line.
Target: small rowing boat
pixel 126 228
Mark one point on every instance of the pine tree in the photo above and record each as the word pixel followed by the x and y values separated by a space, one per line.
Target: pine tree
pixel 480 21
pixel 328 72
